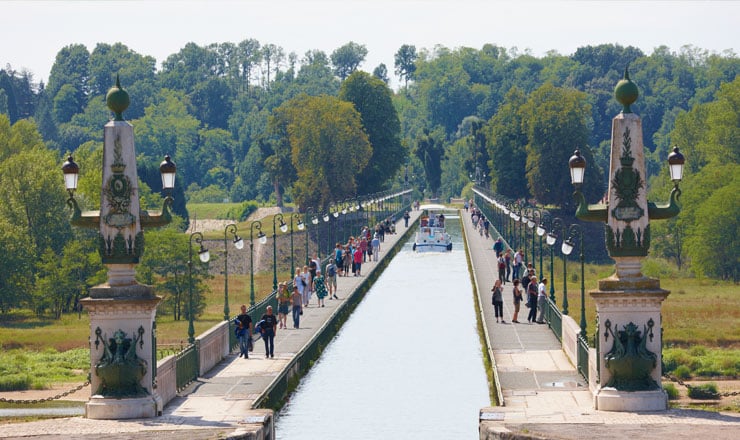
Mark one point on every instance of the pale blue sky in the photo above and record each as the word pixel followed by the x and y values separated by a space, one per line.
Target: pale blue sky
pixel 32 32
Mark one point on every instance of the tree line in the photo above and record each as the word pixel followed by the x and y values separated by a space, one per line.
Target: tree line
pixel 247 122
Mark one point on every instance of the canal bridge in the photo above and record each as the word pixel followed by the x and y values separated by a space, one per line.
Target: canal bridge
pixel 538 389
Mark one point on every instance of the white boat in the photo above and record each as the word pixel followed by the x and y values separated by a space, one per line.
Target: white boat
pixel 432 235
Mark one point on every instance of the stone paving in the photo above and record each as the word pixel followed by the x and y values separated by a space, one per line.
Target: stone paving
pixel 218 404
pixel 543 394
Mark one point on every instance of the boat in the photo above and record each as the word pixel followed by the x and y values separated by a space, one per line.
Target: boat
pixel 432 235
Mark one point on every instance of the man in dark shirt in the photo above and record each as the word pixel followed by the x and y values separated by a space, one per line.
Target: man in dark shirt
pixel 244 332
pixel 268 330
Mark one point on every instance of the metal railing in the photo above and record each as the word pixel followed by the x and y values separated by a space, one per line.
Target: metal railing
pixel 555 319
pixel 187 368
pixel 583 357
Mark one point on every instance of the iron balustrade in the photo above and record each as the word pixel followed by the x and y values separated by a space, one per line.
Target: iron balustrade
pixel 582 357
pixel 187 368
pixel 555 319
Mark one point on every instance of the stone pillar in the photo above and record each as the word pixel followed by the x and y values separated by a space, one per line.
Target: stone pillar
pixel 628 303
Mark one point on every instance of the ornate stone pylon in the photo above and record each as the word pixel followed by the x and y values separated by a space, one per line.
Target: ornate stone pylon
pixel 122 311
pixel 628 364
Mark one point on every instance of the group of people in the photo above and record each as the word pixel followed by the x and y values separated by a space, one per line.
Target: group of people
pixel 310 280
pixel 527 288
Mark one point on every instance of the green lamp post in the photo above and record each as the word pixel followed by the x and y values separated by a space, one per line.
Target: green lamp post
pixel 263 239
pixel 307 216
pixel 557 224
pixel 239 244
pixel 283 228
pixel 541 231
pixel 301 226
pixel 204 256
pixel 567 247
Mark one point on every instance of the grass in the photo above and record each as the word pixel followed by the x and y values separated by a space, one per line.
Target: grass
pixel 210 210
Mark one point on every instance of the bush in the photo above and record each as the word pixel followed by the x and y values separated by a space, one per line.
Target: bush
pixel 15 382
pixel 658 268
pixel 704 391
pixel 243 210
pixel 682 372
pixel 671 390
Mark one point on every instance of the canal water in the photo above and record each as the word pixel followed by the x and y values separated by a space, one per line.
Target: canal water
pixel 406 364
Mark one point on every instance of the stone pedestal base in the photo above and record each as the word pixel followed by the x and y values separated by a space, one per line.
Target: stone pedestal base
pixel 610 399
pixel 99 407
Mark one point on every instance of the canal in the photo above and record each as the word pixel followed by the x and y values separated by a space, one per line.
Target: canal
pixel 406 364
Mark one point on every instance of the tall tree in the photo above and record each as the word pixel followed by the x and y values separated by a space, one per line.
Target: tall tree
pixel 405 63
pixel 557 122
pixel 381 72
pixel 347 59
pixel 372 98
pixel 507 140
pixel 430 150
pixel 328 148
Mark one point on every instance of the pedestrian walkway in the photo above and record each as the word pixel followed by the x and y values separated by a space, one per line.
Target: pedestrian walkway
pixel 542 394
pixel 218 404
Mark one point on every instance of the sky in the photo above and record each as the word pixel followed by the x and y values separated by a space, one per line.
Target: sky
pixel 33 32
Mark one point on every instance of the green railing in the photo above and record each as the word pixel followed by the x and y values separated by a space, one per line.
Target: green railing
pixel 583 357
pixel 555 319
pixel 187 367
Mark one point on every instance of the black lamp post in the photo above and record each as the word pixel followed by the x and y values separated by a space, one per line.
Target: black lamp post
pixel 536 220
pixel 204 257
pixel 557 224
pixel 308 212
pixel 326 216
pixel 567 248
pixel 239 244
pixel 263 239
pixel 301 226
pixel 283 228
pixel 532 213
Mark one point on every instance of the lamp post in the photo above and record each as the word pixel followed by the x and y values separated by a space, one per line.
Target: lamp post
pixel 239 244
pixel 283 228
pixel 326 217
pixel 541 230
pixel 536 219
pixel 263 239
pixel 530 224
pixel 204 256
pixel 556 225
pixel 301 226
pixel 567 247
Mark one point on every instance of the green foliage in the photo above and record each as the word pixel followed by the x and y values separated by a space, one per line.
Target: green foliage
pixel 701 361
pixel 671 390
pixel 242 211
pixel 347 59
pixel 704 391
pixel 23 370
pixel 209 194
pixel 372 98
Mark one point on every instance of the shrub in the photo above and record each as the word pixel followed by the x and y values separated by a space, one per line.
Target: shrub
pixel 15 382
pixel 682 372
pixel 242 211
pixel 671 390
pixel 704 391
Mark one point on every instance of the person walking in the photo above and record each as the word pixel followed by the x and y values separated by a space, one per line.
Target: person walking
pixel 358 262
pixel 299 282
pixel 307 284
pixel 347 261
pixel 542 300
pixel 268 330
pixel 283 297
pixel 498 301
pixel 498 247
pixel 507 260
pixel 375 243
pixel 502 269
pixel 532 299
pixel 518 259
pixel 244 332
pixel 320 288
pixel 517 301
pixel 406 218
pixel 331 279
pixel 338 256
pixel 296 299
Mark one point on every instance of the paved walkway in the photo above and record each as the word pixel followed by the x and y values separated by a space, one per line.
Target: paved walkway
pixel 219 404
pixel 544 396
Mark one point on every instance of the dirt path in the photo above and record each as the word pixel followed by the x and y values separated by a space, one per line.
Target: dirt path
pixel 206 225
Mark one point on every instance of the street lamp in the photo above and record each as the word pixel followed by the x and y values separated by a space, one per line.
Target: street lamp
pixel 557 224
pixel 301 226
pixel 263 239
pixel 308 212
pixel 283 228
pixel 204 256
pixel 536 220
pixel 530 224
pixel 239 244
pixel 567 248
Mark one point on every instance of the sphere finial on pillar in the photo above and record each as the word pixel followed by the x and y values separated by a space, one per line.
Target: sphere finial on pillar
pixel 626 92
pixel 117 100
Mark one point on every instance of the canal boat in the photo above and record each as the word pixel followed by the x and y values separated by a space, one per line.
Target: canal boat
pixel 432 235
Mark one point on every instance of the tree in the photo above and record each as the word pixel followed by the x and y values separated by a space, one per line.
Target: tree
pixel 248 56
pixel 405 63
pixel 272 56
pixel 71 67
pixel 430 150
pixel 381 72
pixel 328 147
pixel 507 140
pixel 348 58
pixel 372 98
pixel 557 122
